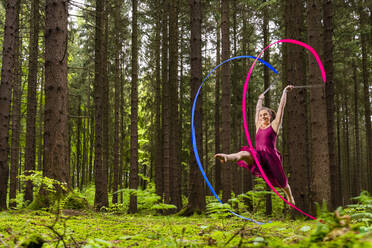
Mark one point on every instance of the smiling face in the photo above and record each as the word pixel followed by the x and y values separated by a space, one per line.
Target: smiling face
pixel 264 117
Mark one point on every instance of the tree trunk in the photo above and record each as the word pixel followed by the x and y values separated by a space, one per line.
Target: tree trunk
pixel 7 78
pixel 247 181
pixel 16 115
pixel 197 192
pixel 41 124
pixel 266 35
pixel 92 135
pixel 175 170
pixel 133 180
pixel 296 109
pixel 183 125
pixel 339 163
pixel 31 97
pixel 117 101
pixel 56 155
pixel 366 85
pixel 296 112
pixel 225 101
pixel 78 145
pixel 84 163
pixel 122 130
pixel 101 198
pixel 348 169
pixel 158 131
pixel 235 111
pixel 106 105
pixel 320 181
pixel 356 176
pixel 336 195
pixel 217 109
pixel 165 104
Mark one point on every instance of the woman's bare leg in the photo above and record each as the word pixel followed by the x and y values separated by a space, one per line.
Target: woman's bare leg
pixel 242 155
pixel 288 193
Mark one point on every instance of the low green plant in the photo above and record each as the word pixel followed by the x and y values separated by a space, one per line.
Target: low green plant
pixel 38 180
pixel 148 202
pixel 217 210
pixel 361 211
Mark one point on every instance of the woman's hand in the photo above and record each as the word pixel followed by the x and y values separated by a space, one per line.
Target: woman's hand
pixel 262 96
pixel 288 88
pixel 222 157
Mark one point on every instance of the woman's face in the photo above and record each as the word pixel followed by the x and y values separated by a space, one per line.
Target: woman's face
pixel 264 117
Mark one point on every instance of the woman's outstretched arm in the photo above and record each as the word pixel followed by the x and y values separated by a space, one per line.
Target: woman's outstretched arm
pixel 279 114
pixel 234 157
pixel 258 107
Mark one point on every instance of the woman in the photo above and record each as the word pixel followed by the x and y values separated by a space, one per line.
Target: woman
pixel 267 128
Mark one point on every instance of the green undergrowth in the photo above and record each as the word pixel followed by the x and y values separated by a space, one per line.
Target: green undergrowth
pixel 92 229
pixel 71 222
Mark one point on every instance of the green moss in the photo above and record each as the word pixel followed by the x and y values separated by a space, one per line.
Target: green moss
pixel 75 201
pixel 122 230
pixel 33 241
pixel 40 202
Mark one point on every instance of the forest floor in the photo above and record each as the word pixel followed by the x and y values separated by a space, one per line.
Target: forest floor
pixel 92 229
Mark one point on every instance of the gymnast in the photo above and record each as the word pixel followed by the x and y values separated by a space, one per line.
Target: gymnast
pixel 267 129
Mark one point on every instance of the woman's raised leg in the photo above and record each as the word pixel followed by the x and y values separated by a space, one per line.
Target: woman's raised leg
pixel 288 193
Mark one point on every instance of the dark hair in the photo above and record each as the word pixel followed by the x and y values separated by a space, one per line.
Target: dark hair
pixel 271 112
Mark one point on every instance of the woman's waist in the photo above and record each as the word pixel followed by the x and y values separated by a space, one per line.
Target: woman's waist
pixel 265 148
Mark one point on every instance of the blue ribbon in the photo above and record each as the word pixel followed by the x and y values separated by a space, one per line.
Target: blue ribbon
pixel 194 137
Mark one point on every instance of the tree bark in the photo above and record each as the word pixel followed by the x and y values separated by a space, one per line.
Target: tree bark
pixel 346 147
pixel 106 105
pixel 31 97
pixel 16 116
pixel 235 111
pixel 320 181
pixel 165 104
pixel 296 108
pixel 56 152
pixel 336 195
pixel 217 109
pixel 266 35
pixel 197 191
pixel 133 180
pixel 78 145
pixel 41 125
pixel 158 131
pixel 225 101
pixel 101 197
pixel 366 85
pixel 7 78
pixel 356 176
pixel 117 101
pixel 175 170
pixel 247 181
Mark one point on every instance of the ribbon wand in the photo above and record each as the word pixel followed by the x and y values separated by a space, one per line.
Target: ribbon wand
pixel 309 86
pixel 271 86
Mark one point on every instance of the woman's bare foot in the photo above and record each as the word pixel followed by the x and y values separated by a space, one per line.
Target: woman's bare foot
pixel 222 157
pixel 288 194
pixel 291 200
